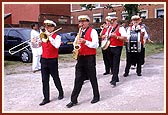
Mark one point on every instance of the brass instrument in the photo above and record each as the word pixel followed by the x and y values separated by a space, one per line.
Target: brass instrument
pixel 76 45
pixel 44 35
pixel 13 52
pixel 102 26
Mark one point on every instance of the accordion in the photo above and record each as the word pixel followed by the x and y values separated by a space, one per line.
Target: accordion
pixel 134 42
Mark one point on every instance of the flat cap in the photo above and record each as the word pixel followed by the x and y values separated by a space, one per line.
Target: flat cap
pixel 114 18
pixel 49 22
pixel 135 17
pixel 83 18
pixel 108 18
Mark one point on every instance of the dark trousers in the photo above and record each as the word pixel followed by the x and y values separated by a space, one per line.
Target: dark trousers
pixel 86 66
pixel 50 67
pixel 115 56
pixel 143 56
pixel 136 58
pixel 107 60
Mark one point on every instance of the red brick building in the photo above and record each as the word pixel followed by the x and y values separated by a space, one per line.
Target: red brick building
pixel 99 12
pixel 14 13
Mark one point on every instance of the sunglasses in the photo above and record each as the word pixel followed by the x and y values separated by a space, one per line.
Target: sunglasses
pixel 48 24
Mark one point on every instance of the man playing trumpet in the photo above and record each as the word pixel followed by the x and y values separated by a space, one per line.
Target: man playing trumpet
pixel 49 61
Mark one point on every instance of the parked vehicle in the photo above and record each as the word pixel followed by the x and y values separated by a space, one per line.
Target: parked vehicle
pixel 14 37
pixel 67 40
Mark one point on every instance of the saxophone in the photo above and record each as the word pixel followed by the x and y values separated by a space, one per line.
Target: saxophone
pixel 76 45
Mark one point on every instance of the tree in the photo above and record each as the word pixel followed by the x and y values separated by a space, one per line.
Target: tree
pixel 88 6
pixel 131 9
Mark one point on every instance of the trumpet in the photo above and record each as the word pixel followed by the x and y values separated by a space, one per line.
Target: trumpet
pixel 14 52
pixel 45 36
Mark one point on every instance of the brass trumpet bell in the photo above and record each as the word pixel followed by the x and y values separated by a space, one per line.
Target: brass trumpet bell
pixel 44 37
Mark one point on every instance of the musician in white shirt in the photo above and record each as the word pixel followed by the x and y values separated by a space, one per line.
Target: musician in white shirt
pixel 86 61
pixel 135 45
pixel 36 47
pixel 106 52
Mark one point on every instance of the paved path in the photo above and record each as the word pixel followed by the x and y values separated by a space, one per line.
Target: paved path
pixel 23 92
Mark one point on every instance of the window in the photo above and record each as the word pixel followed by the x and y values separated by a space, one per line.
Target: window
pixel 97 18
pixel 144 14
pixel 160 13
pixel 13 33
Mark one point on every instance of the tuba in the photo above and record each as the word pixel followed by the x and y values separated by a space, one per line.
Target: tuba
pixel 44 36
pixel 76 45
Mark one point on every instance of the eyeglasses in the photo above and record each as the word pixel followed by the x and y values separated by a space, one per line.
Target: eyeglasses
pixel 48 24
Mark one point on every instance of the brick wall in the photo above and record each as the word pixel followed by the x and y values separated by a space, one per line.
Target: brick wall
pixel 155 27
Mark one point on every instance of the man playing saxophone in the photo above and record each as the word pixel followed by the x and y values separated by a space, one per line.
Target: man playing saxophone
pixel 86 61
pixel 49 61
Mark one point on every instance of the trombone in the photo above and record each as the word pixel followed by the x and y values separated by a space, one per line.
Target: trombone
pixel 14 52
pixel 43 36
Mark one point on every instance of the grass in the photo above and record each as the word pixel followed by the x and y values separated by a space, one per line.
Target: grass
pixel 149 50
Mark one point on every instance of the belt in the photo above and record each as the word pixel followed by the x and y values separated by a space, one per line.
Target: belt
pixel 112 46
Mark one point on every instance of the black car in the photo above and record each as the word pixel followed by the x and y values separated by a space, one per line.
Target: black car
pixel 67 40
pixel 14 37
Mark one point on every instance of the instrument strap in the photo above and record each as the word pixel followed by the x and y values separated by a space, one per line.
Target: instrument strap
pixel 84 32
pixel 114 28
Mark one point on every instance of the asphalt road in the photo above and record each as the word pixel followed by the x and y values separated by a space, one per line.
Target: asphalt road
pixel 22 92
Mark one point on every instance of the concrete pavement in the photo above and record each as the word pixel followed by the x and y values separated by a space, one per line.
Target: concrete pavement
pixel 146 93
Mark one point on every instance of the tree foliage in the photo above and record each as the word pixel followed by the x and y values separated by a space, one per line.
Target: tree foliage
pixel 131 9
pixel 88 6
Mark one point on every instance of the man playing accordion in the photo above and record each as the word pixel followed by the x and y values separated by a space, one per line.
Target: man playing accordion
pixel 134 47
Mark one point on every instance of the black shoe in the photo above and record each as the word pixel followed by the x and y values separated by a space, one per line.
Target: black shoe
pixel 125 74
pixel 139 74
pixel 60 97
pixel 113 84
pixel 44 102
pixel 94 101
pixel 69 105
pixel 106 73
pixel 117 80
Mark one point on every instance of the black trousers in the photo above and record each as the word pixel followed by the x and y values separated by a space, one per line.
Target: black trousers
pixel 86 66
pixel 107 60
pixel 115 56
pixel 134 58
pixel 50 67
pixel 143 56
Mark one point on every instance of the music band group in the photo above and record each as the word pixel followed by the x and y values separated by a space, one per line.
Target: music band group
pixel 114 36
